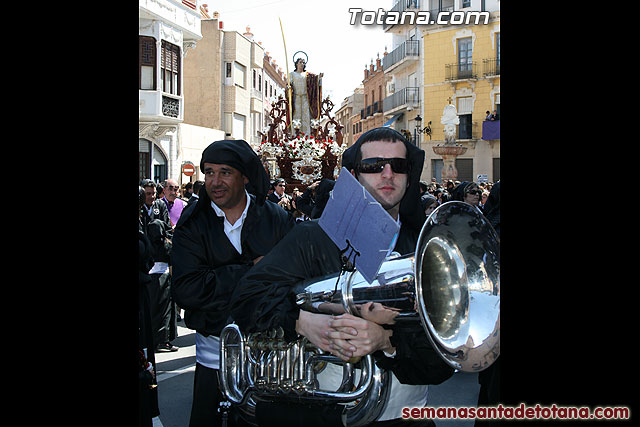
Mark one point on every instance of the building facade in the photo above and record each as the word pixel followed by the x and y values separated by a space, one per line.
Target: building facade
pixel 374 91
pixel 274 86
pixel 242 106
pixel 167 29
pixel 441 63
pixel 345 114
pixel 403 71
pixel 203 78
pixel 463 67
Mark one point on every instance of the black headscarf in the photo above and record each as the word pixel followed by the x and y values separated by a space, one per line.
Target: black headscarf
pixel 239 155
pixel 460 190
pixel 427 200
pixel 411 212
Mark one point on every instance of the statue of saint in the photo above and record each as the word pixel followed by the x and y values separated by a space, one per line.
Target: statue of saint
pixel 450 119
pixel 306 91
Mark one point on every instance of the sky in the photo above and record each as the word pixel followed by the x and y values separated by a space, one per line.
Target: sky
pixel 321 29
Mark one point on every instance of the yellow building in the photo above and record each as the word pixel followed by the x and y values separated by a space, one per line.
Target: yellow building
pixel 462 67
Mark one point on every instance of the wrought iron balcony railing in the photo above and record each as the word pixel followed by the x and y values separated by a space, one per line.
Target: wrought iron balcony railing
pixel 409 96
pixel 491 67
pixel 170 107
pixel 410 48
pixel 461 71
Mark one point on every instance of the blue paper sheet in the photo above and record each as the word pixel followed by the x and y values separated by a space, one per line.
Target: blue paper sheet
pixel 353 215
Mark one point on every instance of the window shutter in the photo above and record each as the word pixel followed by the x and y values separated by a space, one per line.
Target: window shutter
pixel 465 105
pixel 465 169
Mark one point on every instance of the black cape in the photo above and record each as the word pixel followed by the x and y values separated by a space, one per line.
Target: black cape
pixel 207 267
pixel 147 396
pixel 162 307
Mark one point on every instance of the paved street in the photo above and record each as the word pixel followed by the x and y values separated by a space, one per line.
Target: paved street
pixel 175 383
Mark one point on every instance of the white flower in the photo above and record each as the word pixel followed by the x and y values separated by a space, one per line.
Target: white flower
pixel 296 124
pixel 315 123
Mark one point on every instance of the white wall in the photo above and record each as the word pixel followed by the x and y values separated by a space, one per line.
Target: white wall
pixel 194 139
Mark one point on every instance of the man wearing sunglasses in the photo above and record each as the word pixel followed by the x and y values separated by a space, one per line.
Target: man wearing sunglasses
pixel 389 167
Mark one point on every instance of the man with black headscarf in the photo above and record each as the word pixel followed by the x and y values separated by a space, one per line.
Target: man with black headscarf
pixel 215 242
pixel 389 167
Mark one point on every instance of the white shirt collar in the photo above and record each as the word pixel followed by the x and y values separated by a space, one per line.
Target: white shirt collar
pixel 240 221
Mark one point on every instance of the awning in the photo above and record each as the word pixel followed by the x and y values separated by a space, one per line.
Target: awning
pixel 391 120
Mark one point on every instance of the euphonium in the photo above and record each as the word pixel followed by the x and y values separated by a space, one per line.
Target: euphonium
pixel 450 285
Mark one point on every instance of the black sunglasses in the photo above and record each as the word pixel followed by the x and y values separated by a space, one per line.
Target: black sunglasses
pixel 376 165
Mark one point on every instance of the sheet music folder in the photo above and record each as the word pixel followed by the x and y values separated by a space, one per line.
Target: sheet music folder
pixel 353 219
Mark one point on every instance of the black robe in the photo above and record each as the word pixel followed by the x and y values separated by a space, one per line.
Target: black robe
pixel 206 266
pixel 147 396
pixel 163 310
pixel 263 299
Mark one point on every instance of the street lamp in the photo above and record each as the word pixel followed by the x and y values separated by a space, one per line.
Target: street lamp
pixel 419 129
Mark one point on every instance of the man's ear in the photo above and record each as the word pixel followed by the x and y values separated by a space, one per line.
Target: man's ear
pixel 353 172
pixel 245 180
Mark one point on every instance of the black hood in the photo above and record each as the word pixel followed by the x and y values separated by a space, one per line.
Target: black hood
pixel 239 155
pixel 410 207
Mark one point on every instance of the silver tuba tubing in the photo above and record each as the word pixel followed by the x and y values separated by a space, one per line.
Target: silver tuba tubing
pixel 450 285
pixel 264 374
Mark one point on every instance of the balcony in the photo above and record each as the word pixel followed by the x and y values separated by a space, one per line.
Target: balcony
pixel 490 130
pixel 406 51
pixel 160 106
pixel 400 7
pixel 371 110
pixel 491 67
pixel 403 98
pixel 461 71
pixel 377 108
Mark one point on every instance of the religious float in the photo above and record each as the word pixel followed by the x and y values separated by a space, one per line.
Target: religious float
pixel 299 157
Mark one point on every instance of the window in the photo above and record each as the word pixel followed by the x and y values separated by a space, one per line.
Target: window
pixel 466 3
pixel 260 82
pixel 170 68
pixel 228 72
pixel 159 163
pixel 464 128
pixel 239 126
pixel 464 57
pixel 239 74
pixel 144 159
pixel 147 63
pixel 256 119
pixel 255 86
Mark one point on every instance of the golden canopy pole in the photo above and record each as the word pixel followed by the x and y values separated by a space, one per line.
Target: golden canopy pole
pixel 286 62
